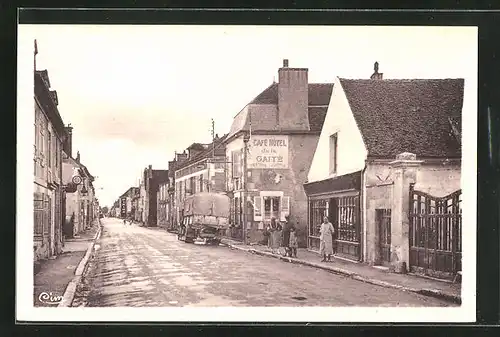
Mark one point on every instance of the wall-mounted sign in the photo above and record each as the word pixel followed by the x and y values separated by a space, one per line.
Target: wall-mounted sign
pixel 268 152
pixel 77 180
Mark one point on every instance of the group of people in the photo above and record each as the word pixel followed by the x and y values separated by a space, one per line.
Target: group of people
pixel 284 236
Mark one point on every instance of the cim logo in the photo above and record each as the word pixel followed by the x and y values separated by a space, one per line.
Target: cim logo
pixel 49 298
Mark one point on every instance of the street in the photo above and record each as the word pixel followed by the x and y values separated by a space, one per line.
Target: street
pixel 136 266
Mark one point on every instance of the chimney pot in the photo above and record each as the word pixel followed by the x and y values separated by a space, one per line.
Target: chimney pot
pixel 285 63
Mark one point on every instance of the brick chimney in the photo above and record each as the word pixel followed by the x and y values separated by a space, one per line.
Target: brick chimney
pixel 293 98
pixel 376 75
pixel 68 141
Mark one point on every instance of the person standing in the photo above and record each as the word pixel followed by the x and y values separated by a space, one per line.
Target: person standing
pixel 326 239
pixel 275 235
pixel 286 237
pixel 293 242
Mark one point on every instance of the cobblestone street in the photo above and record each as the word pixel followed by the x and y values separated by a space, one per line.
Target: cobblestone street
pixel 136 266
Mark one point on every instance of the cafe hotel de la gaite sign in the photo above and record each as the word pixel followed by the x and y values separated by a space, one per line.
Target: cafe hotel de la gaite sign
pixel 268 152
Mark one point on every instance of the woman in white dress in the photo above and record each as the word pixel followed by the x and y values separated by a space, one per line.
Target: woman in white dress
pixel 326 239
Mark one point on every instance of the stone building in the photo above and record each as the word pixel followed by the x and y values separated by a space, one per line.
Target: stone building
pixel 279 129
pixel 47 171
pixel 151 182
pixel 79 205
pixel 389 150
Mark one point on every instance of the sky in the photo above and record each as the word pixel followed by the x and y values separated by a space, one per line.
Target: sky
pixel 136 94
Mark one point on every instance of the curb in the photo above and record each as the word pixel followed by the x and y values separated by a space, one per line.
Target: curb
pixel 339 271
pixel 69 293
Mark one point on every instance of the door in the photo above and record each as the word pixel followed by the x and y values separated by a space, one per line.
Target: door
pixel 52 224
pixel 383 223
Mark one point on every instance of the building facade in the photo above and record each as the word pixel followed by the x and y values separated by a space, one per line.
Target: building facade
pixel 389 157
pixel 152 180
pixel 269 150
pixel 163 209
pixel 201 169
pixel 47 159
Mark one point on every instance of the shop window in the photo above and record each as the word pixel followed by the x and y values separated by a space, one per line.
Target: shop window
pixel 318 210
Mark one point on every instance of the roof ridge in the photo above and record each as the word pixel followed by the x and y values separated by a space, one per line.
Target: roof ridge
pixel 403 79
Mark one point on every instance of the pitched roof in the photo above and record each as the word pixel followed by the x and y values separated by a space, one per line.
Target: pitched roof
pixel 396 116
pixel 319 94
pixel 264 120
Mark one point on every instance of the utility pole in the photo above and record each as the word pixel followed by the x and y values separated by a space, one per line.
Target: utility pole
pixel 213 138
pixel 246 138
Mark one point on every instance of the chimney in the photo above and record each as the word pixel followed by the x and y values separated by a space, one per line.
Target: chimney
pixel 68 142
pixel 78 157
pixel 181 157
pixel 376 75
pixel 293 98
pixel 195 149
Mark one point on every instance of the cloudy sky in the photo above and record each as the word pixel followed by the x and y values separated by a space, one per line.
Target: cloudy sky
pixel 136 94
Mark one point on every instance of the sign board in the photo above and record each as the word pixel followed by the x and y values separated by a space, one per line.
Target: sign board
pixel 268 152
pixel 123 206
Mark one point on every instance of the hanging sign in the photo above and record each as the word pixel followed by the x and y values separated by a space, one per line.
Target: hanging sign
pixel 268 152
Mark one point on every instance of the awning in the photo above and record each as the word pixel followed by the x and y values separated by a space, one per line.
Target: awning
pixel 351 181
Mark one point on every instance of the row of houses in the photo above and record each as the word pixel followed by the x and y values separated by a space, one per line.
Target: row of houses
pixel 64 196
pixel 381 158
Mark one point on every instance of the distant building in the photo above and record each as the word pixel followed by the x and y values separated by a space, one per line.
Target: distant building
pixel 152 179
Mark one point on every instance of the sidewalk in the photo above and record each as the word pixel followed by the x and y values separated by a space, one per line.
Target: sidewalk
pixel 52 276
pixel 362 272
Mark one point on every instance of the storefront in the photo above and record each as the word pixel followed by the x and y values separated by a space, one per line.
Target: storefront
pixel 339 200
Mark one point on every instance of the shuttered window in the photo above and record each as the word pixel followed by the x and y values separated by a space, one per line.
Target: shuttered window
pixel 39 212
pixel 285 207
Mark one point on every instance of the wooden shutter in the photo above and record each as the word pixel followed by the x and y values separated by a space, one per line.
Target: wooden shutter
pixel 285 207
pixel 257 208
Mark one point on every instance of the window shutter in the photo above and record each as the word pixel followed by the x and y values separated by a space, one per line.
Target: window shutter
pixel 285 207
pixel 257 213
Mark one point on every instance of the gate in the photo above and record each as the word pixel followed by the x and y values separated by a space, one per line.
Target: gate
pixel 383 218
pixel 435 233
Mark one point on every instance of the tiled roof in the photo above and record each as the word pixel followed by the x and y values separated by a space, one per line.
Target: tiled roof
pixel 396 116
pixel 319 94
pixel 317 117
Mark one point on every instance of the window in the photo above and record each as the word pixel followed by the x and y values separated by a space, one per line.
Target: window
pixel 49 150
pixel 318 210
pixel 236 163
pixel 333 153
pixel 267 207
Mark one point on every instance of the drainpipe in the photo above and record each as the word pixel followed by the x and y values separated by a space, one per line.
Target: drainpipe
pixel 364 254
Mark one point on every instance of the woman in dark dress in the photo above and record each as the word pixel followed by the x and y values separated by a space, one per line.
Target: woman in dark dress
pixel 285 243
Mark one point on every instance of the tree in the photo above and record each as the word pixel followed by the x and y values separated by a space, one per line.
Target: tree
pixel 105 210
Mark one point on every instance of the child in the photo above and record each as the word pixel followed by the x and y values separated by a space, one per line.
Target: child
pixel 293 242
